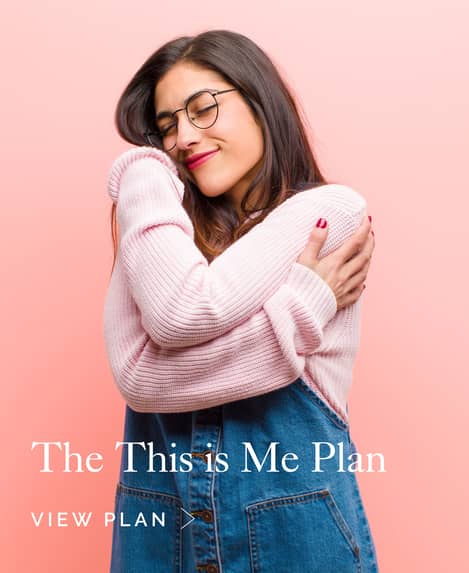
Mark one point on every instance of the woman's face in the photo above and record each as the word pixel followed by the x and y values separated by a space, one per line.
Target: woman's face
pixel 235 136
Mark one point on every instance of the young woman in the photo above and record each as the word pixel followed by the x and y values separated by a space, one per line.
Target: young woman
pixel 230 338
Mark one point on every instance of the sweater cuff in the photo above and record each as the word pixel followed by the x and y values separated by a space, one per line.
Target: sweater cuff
pixel 129 156
pixel 313 291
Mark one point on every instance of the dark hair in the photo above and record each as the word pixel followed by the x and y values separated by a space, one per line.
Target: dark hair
pixel 288 164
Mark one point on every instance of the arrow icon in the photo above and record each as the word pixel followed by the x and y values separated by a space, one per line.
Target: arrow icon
pixel 188 514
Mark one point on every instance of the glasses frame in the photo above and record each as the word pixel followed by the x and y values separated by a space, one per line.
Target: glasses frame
pixel 214 93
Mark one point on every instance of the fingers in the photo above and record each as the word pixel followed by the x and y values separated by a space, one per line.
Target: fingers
pixel 352 296
pixel 355 243
pixel 357 280
pixel 360 261
pixel 314 244
pixel 347 266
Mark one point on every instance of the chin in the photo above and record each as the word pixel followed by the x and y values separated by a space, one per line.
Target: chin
pixel 212 189
pixel 212 192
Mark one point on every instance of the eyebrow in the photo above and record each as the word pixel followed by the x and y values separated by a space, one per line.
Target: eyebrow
pixel 167 113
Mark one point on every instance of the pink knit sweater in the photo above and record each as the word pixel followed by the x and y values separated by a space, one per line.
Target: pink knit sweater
pixel 182 334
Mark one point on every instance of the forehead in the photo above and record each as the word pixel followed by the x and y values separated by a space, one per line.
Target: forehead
pixel 182 80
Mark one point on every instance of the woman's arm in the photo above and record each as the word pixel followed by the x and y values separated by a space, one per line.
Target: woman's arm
pixel 184 301
pixel 264 353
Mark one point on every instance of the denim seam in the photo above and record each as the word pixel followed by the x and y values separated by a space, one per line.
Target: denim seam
pixel 342 524
pixel 319 403
pixel 290 499
pixel 146 493
pixel 216 524
pixel 371 550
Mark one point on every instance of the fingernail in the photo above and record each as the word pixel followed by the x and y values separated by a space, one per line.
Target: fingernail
pixel 321 223
pixel 369 217
pixel 372 232
pixel 364 287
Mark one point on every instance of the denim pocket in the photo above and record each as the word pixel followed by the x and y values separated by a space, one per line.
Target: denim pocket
pixel 301 533
pixel 146 532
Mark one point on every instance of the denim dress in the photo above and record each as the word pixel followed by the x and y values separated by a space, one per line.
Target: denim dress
pixel 241 488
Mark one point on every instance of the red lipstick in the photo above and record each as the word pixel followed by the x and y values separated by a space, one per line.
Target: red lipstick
pixel 198 158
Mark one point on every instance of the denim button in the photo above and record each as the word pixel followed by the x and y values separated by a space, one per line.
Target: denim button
pixel 202 455
pixel 204 514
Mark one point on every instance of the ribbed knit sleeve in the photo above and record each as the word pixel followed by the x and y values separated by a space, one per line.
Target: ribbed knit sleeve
pixel 264 353
pixel 182 299
pixel 292 330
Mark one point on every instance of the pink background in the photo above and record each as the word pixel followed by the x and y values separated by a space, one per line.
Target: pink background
pixel 386 91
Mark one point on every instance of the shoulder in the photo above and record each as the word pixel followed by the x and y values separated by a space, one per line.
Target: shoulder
pixel 339 203
pixel 333 198
pixel 336 195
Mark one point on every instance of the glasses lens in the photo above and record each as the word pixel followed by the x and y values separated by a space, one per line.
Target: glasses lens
pixel 203 110
pixel 166 136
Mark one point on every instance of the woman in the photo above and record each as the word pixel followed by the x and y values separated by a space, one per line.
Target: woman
pixel 230 339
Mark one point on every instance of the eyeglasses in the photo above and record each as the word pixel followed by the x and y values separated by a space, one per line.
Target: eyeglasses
pixel 201 110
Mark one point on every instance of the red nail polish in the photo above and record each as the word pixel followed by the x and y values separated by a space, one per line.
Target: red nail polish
pixel 321 223
pixel 369 218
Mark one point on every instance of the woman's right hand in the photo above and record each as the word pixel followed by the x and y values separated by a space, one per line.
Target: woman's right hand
pixel 346 268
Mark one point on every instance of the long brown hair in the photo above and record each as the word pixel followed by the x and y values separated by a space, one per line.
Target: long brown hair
pixel 288 165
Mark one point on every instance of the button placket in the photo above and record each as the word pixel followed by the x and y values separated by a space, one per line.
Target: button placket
pixel 205 436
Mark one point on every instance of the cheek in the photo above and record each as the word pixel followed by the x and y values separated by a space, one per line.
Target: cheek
pixel 251 147
pixel 244 139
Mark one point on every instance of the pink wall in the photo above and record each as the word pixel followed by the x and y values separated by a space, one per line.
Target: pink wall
pixel 386 90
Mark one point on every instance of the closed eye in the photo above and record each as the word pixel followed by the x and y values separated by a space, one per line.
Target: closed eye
pixel 205 109
pixel 167 129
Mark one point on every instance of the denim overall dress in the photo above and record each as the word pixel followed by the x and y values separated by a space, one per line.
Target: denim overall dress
pixel 243 511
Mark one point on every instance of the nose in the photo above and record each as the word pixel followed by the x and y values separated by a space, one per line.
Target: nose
pixel 187 134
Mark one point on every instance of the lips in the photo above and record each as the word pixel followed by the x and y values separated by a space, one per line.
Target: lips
pixel 199 158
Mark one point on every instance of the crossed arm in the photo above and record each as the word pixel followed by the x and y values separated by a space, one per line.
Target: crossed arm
pixel 182 334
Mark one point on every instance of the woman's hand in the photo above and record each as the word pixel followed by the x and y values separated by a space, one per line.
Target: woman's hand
pixel 346 268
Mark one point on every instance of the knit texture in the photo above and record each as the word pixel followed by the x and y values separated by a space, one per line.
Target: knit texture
pixel 182 334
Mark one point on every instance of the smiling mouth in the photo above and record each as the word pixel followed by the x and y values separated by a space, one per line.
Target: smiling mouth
pixel 200 160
